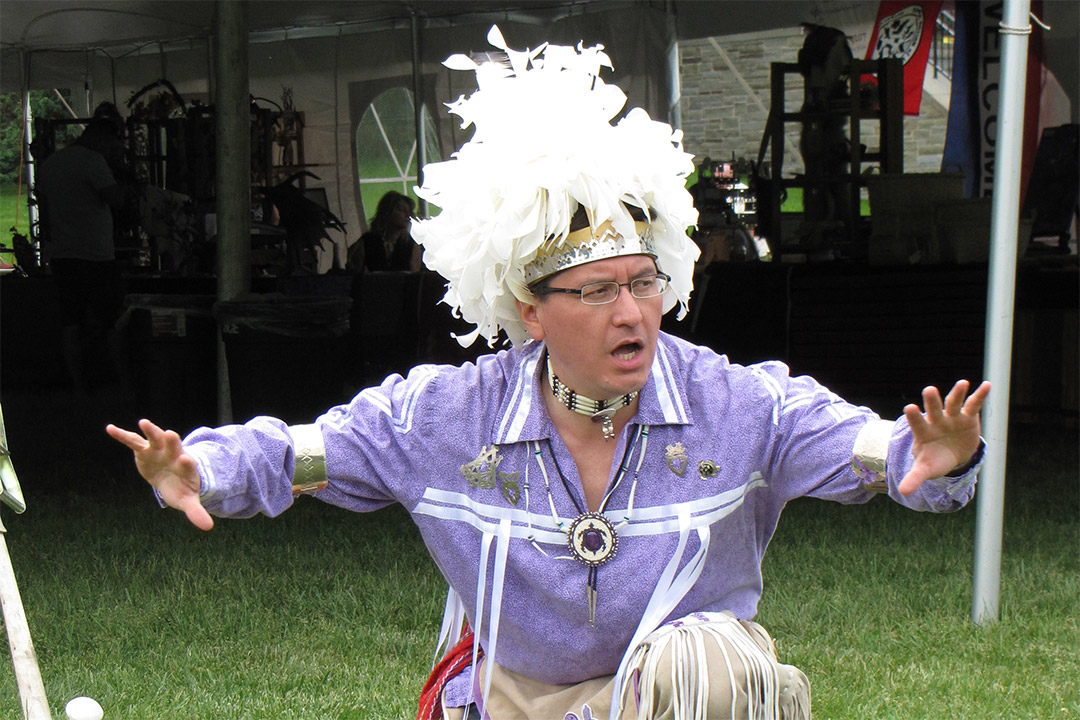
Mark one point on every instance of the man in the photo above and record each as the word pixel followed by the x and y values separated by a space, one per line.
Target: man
pixel 78 193
pixel 600 496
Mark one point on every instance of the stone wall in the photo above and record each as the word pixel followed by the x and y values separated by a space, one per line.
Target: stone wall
pixel 725 98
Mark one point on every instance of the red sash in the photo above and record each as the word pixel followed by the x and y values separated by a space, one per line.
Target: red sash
pixel 453 663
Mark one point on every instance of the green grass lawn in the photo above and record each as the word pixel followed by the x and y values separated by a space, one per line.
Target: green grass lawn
pixel 10 201
pixel 323 613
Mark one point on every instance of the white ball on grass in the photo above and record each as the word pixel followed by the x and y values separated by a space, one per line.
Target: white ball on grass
pixel 83 708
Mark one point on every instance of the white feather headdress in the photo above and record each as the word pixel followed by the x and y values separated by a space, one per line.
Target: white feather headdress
pixel 543 145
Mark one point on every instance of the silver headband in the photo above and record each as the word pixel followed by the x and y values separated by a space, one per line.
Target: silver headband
pixel 588 245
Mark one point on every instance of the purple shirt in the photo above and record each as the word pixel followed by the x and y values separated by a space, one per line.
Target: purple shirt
pixel 726 447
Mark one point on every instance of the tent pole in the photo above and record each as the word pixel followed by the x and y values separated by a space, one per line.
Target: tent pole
pixel 418 108
pixel 27 159
pixel 1001 292
pixel 232 185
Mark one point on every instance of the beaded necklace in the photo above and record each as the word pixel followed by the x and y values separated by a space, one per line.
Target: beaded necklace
pixel 591 537
pixel 601 411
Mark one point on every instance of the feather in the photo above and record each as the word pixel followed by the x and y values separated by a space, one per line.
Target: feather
pixel 543 144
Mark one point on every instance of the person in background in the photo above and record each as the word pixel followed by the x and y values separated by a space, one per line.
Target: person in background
pixel 599 496
pixel 387 245
pixel 78 194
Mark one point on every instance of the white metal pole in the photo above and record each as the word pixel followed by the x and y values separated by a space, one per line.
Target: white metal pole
pixel 29 179
pixel 1001 292
pixel 35 705
pixel 418 108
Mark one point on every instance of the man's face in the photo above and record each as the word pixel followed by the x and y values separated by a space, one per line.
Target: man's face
pixel 600 351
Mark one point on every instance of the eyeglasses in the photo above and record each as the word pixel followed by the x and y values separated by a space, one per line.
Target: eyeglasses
pixel 602 293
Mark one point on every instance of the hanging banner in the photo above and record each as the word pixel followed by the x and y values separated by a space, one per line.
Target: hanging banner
pixel 963 151
pixel 989 73
pixel 905 30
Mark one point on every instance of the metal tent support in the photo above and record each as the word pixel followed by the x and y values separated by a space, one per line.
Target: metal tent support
pixel 1000 301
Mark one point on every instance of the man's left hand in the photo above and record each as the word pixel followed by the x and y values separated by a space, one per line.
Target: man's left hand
pixel 946 434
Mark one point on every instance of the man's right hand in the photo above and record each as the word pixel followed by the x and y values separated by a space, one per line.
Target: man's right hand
pixel 161 460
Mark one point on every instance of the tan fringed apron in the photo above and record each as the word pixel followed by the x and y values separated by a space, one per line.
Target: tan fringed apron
pixel 730 662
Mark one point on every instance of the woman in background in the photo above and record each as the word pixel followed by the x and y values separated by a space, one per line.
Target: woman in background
pixel 387 245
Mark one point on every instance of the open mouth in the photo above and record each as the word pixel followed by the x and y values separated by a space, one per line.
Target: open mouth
pixel 627 351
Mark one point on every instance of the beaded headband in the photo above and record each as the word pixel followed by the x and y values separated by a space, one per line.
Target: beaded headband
pixel 543 146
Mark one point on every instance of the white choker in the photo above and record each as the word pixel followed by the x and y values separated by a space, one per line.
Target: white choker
pixel 601 411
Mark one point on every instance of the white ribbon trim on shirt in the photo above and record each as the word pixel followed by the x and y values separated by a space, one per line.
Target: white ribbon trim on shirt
pixel 655 520
pixel 505 523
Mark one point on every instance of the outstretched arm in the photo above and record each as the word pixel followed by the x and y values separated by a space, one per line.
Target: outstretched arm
pixel 161 460
pixel 946 435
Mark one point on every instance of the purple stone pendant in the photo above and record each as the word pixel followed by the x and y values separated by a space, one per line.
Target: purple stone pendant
pixel 592 540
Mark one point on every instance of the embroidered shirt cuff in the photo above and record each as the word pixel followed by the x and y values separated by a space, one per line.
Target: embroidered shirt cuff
pixel 870 454
pixel 310 452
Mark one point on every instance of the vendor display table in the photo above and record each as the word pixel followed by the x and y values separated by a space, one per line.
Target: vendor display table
pixel 872 334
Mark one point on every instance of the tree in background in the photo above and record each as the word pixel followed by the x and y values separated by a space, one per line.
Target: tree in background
pixel 43 104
